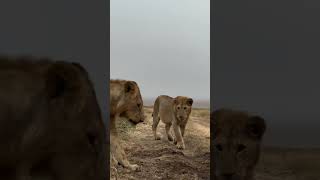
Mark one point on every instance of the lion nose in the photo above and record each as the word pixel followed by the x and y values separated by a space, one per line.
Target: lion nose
pixel 142 118
pixel 228 175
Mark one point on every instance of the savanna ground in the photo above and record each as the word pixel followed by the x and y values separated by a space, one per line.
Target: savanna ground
pixel 161 159
pixel 289 164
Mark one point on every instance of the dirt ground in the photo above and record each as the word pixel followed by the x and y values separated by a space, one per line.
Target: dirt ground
pixel 161 159
pixel 289 164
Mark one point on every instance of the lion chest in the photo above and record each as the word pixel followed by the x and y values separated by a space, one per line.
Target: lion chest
pixel 166 114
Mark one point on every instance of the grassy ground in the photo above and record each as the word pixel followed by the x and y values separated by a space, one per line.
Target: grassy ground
pixel 161 159
pixel 289 164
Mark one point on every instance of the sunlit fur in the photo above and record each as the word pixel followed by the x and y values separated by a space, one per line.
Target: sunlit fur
pixel 173 112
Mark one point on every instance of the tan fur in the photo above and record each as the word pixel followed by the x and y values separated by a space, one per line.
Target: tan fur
pixel 173 112
pixel 125 101
pixel 236 142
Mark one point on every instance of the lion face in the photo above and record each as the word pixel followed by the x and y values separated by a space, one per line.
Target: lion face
pixel 182 107
pixel 132 103
pixel 236 141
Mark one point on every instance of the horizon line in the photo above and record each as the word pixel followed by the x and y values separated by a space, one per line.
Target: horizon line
pixel 207 99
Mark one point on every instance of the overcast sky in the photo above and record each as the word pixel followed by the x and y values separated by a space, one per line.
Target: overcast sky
pixel 73 30
pixel 266 61
pixel 162 45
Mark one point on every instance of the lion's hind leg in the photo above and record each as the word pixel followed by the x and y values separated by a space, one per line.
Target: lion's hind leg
pixel 156 120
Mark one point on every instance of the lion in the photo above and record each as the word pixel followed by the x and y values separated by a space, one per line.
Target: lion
pixel 51 123
pixel 126 102
pixel 173 112
pixel 236 142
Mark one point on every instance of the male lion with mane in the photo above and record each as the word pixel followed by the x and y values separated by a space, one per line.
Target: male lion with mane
pixel 126 102
pixel 237 139
pixel 173 112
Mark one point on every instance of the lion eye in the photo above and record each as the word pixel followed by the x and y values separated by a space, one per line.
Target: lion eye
pixel 185 108
pixel 241 147
pixel 178 108
pixel 219 147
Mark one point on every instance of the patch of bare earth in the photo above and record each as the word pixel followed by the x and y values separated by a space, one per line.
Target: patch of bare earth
pixel 161 159
pixel 289 164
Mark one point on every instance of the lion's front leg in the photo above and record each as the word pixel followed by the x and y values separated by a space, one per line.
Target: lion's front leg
pixel 123 160
pixel 121 157
pixel 182 128
pixel 178 137
pixel 113 169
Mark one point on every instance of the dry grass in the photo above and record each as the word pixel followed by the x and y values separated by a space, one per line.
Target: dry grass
pixel 289 164
pixel 201 113
pixel 305 164
pixel 161 159
pixel 124 128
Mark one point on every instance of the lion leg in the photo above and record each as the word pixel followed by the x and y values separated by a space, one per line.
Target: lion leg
pixel 122 159
pixel 156 120
pixel 178 138
pixel 113 173
pixel 182 128
pixel 120 156
pixel 170 138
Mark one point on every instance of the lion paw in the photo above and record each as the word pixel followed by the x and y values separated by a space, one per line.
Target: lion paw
pixel 135 167
pixel 157 137
pixel 174 141
pixel 180 145
pixel 114 173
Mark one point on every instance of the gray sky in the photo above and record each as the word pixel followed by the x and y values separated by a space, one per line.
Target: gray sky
pixel 162 45
pixel 266 61
pixel 73 30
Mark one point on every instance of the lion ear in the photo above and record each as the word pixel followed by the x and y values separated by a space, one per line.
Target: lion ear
pixel 175 101
pixel 62 78
pixel 129 87
pixel 189 101
pixel 256 127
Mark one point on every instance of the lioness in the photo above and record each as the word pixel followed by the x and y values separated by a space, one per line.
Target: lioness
pixel 125 101
pixel 175 112
pixel 236 141
pixel 50 122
